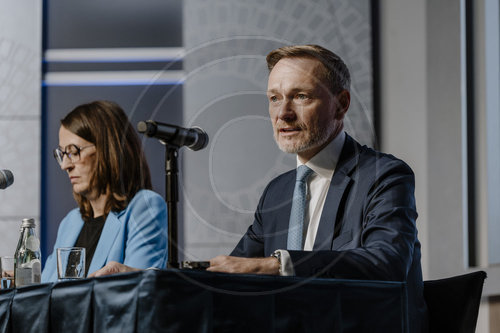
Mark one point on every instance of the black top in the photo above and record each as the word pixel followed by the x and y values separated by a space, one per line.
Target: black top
pixel 89 237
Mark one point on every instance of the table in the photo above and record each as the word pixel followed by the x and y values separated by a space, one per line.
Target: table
pixel 197 301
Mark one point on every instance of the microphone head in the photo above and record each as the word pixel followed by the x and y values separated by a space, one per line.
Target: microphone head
pixel 142 126
pixel 6 179
pixel 201 141
pixel 147 127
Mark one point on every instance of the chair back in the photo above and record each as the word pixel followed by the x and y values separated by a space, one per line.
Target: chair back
pixel 453 303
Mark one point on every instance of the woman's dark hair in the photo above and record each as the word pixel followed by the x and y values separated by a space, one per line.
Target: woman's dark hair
pixel 120 167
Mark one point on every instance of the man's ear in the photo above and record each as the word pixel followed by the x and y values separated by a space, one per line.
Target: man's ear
pixel 343 100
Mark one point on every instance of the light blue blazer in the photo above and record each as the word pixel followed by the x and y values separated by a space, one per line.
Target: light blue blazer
pixel 136 236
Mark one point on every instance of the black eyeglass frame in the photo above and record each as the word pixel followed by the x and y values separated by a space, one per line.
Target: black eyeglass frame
pixel 73 156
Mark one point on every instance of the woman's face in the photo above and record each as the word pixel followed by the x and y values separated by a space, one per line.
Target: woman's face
pixel 79 169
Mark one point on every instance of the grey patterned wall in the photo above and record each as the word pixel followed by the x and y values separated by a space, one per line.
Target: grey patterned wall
pixel 224 93
pixel 20 61
pixel 96 50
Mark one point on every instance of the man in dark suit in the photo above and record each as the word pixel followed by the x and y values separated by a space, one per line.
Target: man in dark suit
pixel 358 214
pixel 347 211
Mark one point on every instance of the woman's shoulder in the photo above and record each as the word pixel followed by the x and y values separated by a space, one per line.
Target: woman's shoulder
pixel 147 196
pixel 146 199
pixel 144 206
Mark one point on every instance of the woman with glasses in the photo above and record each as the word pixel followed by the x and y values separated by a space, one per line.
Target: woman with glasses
pixel 119 218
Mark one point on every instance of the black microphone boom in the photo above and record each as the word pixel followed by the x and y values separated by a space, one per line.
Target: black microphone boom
pixel 194 138
pixel 173 137
pixel 6 179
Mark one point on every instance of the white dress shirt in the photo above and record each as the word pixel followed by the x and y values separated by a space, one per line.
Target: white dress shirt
pixel 323 164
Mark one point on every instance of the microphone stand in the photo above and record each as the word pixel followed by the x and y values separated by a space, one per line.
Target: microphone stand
pixel 195 139
pixel 172 198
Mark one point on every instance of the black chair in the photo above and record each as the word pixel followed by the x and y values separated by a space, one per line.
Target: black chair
pixel 453 303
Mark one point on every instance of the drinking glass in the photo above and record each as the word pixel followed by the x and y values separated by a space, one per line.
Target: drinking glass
pixel 70 263
pixel 7 272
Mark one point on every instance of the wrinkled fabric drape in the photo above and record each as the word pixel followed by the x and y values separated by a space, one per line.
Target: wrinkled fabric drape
pixel 196 301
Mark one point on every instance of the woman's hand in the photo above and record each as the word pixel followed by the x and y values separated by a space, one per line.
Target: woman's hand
pixel 113 267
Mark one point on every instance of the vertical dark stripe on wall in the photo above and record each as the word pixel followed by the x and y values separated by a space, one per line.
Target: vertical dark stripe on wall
pixel 46 250
pixel 43 149
pixel 375 24
pixel 471 151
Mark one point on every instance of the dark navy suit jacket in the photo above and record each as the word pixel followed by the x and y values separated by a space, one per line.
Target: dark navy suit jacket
pixel 367 228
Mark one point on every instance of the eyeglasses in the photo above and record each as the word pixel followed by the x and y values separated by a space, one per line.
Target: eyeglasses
pixel 72 151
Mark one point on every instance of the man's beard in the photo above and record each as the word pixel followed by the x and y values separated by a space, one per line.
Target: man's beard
pixel 316 137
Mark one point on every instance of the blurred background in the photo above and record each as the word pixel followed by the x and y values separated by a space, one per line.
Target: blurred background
pixel 426 86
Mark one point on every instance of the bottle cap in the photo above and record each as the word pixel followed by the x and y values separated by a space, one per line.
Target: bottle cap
pixel 28 223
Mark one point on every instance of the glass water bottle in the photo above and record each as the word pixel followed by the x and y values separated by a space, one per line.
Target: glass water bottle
pixel 27 260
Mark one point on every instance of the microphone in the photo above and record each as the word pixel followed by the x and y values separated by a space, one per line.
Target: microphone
pixel 6 179
pixel 194 138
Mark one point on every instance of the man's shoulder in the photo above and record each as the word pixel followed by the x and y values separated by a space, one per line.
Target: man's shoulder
pixel 282 179
pixel 370 159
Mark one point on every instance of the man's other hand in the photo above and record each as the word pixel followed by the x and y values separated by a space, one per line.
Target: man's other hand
pixel 229 264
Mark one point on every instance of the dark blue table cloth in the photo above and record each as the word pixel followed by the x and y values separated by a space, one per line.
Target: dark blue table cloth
pixel 197 301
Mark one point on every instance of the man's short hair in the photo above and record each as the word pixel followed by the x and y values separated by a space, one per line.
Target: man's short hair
pixel 335 70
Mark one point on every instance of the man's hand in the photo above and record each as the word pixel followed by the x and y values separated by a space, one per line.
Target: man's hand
pixel 113 267
pixel 229 264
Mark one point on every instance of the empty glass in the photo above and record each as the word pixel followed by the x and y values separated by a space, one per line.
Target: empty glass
pixel 70 263
pixel 7 272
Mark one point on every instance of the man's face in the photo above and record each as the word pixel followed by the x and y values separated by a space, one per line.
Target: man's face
pixel 304 113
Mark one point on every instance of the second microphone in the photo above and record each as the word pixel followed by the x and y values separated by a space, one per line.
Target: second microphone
pixel 194 138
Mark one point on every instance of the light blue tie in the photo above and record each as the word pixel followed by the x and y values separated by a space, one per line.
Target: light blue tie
pixel 297 214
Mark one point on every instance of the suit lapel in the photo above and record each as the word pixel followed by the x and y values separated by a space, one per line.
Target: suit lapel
pixel 106 241
pixel 339 186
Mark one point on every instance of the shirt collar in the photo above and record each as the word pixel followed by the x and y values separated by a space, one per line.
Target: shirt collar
pixel 325 161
